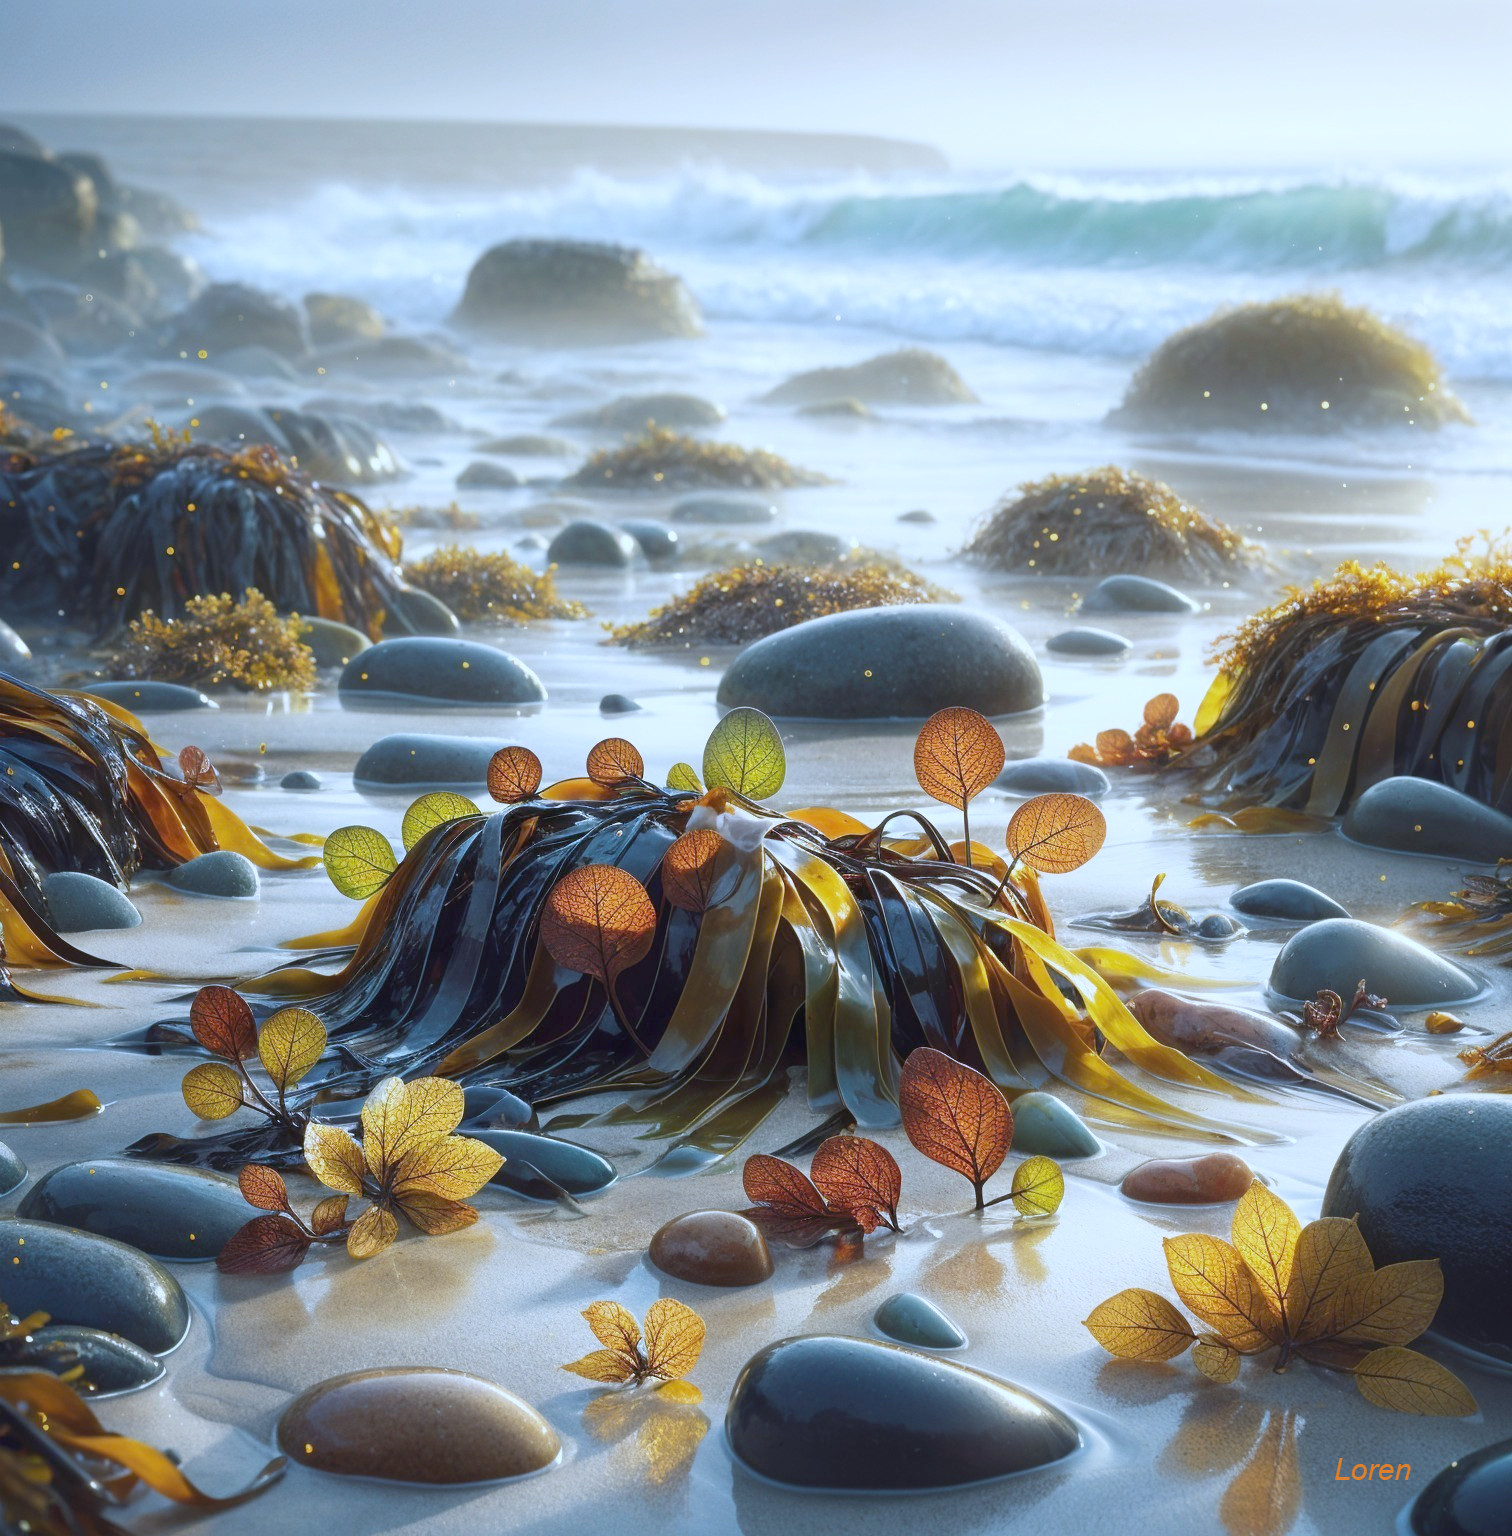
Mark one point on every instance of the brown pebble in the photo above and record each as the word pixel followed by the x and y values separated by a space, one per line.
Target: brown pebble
pixel 416 1425
pixel 1208 1180
pixel 712 1248
pixel 1443 1024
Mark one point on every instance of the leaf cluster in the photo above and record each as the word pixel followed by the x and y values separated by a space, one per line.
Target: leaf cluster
pixel 669 1350
pixel 1158 741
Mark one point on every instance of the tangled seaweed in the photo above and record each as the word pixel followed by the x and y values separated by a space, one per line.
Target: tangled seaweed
pixel 663 460
pixel 1103 521
pixel 478 587
pixel 219 640
pixel 745 602
pixel 785 939
pixel 83 788
pixel 1366 675
pixel 106 532
pixel 1306 363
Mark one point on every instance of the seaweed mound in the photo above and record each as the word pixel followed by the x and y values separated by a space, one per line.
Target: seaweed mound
pixel 1103 521
pixel 479 587
pixel 663 460
pixel 1309 363
pixel 1362 677
pixel 219 640
pixel 909 376
pixel 746 602
pixel 102 533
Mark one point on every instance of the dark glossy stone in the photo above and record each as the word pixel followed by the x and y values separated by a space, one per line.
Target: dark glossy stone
pixel 1340 951
pixel 1291 901
pixel 431 670
pixel 1086 641
pixel 1137 594
pixel 416 1425
pixel 1472 1496
pixel 912 1320
pixel 617 704
pixel 425 762
pixel 858 1415
pixel 80 903
pixel 712 1248
pixel 1219 925
pixel 722 507
pixel 1044 1126
pixel 659 543
pixel 113 1366
pixel 302 780
pixel 1052 775
pixel 1433 1180
pixel 565 1165
pixel 881 663
pixel 585 542
pixel 334 644
pixel 485 476
pixel 159 698
pixel 15 653
pixel 92 1282
pixel 496 1107
pixel 918 515
pixel 223 873
pixel 166 1211
pixel 1420 816
pixel 12 1172
pixel 418 612
pixel 1213 1179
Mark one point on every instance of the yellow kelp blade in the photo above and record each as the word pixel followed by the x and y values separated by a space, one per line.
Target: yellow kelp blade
pixel 346 937
pixel 1120 965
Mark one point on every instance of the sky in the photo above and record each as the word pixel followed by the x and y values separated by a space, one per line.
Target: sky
pixel 991 82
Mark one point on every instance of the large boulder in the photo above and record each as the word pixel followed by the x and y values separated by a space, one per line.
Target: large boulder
pixel 909 376
pixel 887 663
pixel 575 291
pixel 47 211
pixel 337 448
pixel 335 317
pixel 228 315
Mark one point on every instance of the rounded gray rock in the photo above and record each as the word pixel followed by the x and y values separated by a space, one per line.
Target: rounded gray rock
pixel 301 779
pixel 424 762
pixel 1291 901
pixel 802 546
pixel 160 698
pixel 659 543
pixel 482 475
pixel 1422 816
pixel 617 704
pixel 1086 641
pixel 585 542
pixel 528 445
pixel 12 1170
pixel 1043 1126
pixel 80 903
pixel 1051 776
pixel 113 1366
pixel 223 873
pixel 630 413
pixel 431 670
pixel 887 663
pixel 422 613
pixel 333 643
pixel 1137 594
pixel 910 1319
pixel 1338 952
pixel 723 508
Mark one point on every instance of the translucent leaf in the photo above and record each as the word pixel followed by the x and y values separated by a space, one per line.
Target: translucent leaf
pixel 372 1232
pixel 683 776
pixel 432 811
pixel 1330 1252
pixel 1161 711
pixel 399 1118
pixel 1265 1232
pixel 689 868
pixel 604 1365
pixel 745 754
pixel 615 761
pixel 334 1157
pixel 954 1115
pixel 267 1245
pixel 1407 1382
pixel 614 1327
pixel 598 920
pixel 1039 1186
pixel 223 1023
pixel 450 1167
pixel 1217 1360
pixel 263 1187
pixel 514 774
pixel 359 861
pixel 1216 1284
pixel 329 1215
pixel 674 1339
pixel 213 1090
pixel 1265 1497
pixel 789 1207
pixel 957 755
pixel 434 1214
pixel 1140 1325
pixel 198 770
pixel 858 1177
pixel 290 1044
pixel 1393 1305
pixel 1056 833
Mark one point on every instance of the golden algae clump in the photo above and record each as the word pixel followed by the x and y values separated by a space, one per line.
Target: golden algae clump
pixel 663 460
pixel 1308 363
pixel 479 587
pixel 1102 521
pixel 219 640
pixel 745 602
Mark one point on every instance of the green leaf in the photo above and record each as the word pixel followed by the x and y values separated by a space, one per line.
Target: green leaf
pixel 745 754
pixel 359 861
pixel 431 811
pixel 681 776
pixel 1039 1186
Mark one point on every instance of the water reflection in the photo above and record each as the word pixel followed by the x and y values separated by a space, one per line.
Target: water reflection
pixel 657 1433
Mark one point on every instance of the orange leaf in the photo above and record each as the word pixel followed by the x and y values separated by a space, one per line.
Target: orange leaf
pixel 514 774
pixel 688 869
pixel 788 1206
pixel 1160 712
pixel 599 920
pixel 674 1339
pixel 1056 833
pixel 954 1115
pixel 328 1215
pixel 858 1177
pixel 222 1022
pixel 957 755
pixel 198 770
pixel 1115 746
pixel 614 761
pixel 267 1245
pixel 264 1188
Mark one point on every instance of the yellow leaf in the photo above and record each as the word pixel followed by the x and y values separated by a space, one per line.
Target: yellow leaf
pixel 1056 833
pixel 432 811
pixel 674 1339
pixel 400 1117
pixel 290 1044
pixel 1407 1382
pixel 1039 1186
pixel 1265 1232
pixel 1215 1283
pixel 682 776
pixel 744 753
pixel 212 1090
pixel 359 861
pixel 1392 1306
pixel 334 1158
pixel 602 1365
pixel 450 1167
pixel 1215 1359
pixel 614 1328
pixel 1329 1253
pixel 433 1214
pixel 372 1232
pixel 1139 1325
